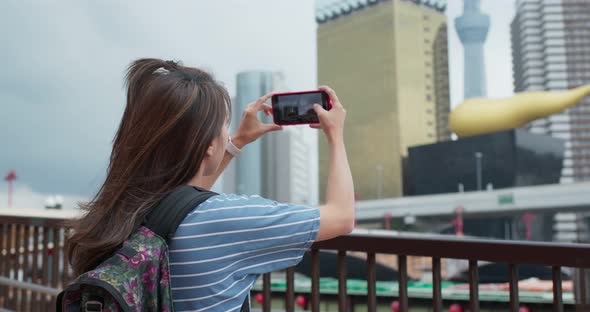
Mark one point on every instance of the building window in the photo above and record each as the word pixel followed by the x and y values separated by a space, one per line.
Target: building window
pixel 426 29
pixel 429 111
pixel 428 97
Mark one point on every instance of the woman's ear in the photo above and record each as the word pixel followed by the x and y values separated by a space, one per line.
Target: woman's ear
pixel 210 150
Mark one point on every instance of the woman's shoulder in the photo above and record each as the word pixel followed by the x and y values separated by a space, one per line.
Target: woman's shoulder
pixel 228 202
pixel 232 199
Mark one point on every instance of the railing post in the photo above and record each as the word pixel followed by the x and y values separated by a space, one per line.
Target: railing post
pixel 266 292
pixel 581 289
pixel 27 268
pixel 436 285
pixel 557 300
pixel 56 252
pixel 290 295
pixel 3 262
pixel 402 268
pixel 342 281
pixel 35 297
pixel 315 280
pixel 46 269
pixel 371 283
pixel 473 286
pixel 11 293
pixel 514 303
pixel 20 259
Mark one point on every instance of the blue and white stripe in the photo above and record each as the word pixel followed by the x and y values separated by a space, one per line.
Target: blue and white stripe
pixel 225 244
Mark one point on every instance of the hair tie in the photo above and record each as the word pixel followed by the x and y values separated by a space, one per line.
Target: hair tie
pixel 161 71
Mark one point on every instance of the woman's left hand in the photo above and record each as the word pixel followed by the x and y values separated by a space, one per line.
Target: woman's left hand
pixel 251 128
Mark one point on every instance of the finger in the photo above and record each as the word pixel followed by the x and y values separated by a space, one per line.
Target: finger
pixel 256 107
pixel 319 109
pixel 261 100
pixel 315 126
pixel 331 94
pixel 267 108
pixel 272 127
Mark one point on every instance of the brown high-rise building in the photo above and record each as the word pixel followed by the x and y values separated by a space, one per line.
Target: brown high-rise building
pixel 388 62
pixel 551 51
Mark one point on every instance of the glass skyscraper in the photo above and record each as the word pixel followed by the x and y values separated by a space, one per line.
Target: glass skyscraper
pixel 550 51
pixel 280 165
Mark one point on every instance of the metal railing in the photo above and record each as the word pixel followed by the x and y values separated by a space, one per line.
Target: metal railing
pixel 513 253
pixel 32 264
pixel 33 268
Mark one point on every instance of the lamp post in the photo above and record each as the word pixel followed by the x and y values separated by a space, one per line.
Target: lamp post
pixel 379 169
pixel 478 157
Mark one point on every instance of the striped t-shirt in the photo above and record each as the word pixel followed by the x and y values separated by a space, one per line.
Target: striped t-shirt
pixel 223 246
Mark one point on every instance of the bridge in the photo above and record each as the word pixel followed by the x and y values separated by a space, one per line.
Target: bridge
pixel 502 202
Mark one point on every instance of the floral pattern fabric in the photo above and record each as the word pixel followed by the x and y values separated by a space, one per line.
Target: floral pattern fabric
pixel 138 274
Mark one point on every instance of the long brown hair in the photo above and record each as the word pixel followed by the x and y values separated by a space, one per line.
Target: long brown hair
pixel 173 114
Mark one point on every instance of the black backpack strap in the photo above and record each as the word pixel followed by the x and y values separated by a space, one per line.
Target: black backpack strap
pixel 165 218
pixel 246 304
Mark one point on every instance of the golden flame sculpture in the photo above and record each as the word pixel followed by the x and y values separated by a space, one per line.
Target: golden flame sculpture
pixel 480 115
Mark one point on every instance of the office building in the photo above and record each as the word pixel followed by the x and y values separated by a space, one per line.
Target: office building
pixel 281 165
pixel 551 51
pixel 388 62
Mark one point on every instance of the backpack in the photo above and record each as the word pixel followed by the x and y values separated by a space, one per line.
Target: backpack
pixel 136 277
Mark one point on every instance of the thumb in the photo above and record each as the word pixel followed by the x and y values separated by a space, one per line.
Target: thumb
pixel 319 109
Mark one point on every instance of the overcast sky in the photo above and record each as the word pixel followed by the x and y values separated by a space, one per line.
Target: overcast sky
pixel 61 83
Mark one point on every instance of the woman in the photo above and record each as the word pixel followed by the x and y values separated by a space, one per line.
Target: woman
pixel 174 131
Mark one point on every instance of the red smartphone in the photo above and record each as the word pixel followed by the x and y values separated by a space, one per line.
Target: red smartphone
pixel 296 108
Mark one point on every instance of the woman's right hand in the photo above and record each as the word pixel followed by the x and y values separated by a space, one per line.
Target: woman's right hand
pixel 332 121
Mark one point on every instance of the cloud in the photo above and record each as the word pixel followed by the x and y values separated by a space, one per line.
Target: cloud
pixel 61 83
pixel 26 198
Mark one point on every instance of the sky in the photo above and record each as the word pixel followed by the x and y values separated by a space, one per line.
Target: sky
pixel 63 62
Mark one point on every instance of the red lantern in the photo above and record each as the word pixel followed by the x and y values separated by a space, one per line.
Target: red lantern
pixel 301 301
pixel 395 306
pixel 455 307
pixel 524 309
pixel 259 298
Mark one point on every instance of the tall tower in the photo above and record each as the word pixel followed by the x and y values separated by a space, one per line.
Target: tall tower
pixel 398 95
pixel 472 28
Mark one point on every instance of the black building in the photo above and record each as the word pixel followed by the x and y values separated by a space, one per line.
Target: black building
pixel 502 159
